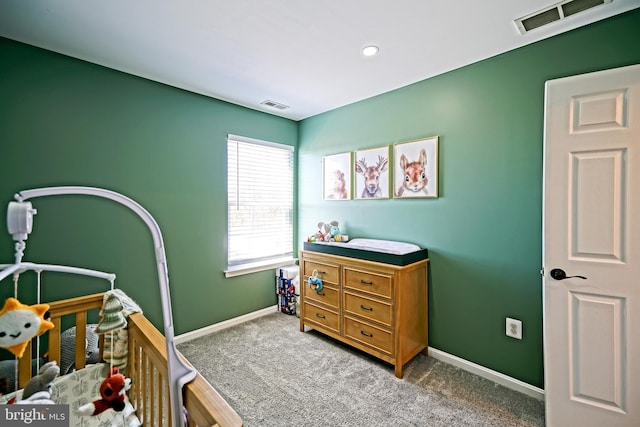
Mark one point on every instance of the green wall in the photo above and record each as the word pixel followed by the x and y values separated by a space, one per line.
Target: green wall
pixel 484 233
pixel 69 122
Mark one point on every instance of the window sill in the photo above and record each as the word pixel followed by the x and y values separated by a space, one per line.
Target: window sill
pixel 239 270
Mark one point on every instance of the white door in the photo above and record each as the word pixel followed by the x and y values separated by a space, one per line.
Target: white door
pixel 591 228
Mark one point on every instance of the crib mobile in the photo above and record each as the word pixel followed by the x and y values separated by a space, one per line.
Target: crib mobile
pixel 20 223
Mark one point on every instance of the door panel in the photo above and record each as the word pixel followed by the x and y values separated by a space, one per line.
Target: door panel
pixel 596 352
pixel 599 112
pixel 597 178
pixel 591 230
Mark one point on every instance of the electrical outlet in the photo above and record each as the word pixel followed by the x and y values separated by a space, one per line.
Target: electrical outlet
pixel 514 328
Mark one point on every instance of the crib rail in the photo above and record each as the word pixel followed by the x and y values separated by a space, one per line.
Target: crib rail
pixel 73 306
pixel 147 367
pixel 204 404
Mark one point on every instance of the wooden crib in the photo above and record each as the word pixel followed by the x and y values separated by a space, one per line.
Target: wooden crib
pixel 147 367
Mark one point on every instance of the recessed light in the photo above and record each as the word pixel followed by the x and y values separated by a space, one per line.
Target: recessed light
pixel 370 50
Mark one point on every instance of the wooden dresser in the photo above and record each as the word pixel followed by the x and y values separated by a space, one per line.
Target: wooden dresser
pixel 376 307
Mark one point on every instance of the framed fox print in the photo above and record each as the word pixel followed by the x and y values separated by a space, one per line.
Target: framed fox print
pixel 336 177
pixel 371 173
pixel 415 168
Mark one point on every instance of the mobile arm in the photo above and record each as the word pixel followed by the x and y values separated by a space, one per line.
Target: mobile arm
pixel 179 372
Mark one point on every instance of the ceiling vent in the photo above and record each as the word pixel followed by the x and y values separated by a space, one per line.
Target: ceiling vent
pixel 273 104
pixel 556 12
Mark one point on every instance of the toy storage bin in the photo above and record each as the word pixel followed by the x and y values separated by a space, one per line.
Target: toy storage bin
pixel 288 288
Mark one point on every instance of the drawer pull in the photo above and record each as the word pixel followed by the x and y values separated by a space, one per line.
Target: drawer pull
pixel 364 282
pixel 321 293
pixel 366 308
pixel 322 272
pixel 320 316
pixel 366 334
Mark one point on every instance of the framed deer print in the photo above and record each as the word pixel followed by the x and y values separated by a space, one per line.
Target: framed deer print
pixel 336 177
pixel 371 171
pixel 415 168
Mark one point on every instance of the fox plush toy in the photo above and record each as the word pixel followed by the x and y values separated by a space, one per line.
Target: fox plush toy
pixel 112 393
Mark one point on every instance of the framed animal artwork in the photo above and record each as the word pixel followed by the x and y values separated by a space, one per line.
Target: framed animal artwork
pixel 416 168
pixel 336 177
pixel 371 171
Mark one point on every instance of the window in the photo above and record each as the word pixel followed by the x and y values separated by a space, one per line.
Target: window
pixel 260 204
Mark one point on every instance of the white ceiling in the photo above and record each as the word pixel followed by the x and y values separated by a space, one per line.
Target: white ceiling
pixel 301 53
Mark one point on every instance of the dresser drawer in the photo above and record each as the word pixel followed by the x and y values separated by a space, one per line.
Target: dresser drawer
pixel 368 308
pixel 326 272
pixel 377 338
pixel 321 316
pixel 376 284
pixel 328 295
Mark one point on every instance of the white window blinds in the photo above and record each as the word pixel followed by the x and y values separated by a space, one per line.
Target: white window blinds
pixel 260 200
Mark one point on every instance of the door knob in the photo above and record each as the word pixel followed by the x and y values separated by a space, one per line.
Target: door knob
pixel 559 274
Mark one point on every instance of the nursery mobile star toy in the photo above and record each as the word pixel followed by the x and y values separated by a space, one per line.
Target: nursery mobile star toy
pixel 19 323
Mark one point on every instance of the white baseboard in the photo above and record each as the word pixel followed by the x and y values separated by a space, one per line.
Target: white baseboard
pixel 188 336
pixel 474 368
pixel 487 373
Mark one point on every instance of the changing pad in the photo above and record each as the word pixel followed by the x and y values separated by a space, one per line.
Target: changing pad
pixel 386 246
pixel 387 251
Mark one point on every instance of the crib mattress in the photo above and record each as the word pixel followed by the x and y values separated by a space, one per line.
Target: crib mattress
pixel 386 251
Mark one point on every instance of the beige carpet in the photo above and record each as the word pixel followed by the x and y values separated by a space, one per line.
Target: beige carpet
pixel 274 375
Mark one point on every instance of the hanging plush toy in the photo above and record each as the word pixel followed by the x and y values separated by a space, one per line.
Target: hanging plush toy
pixel 315 282
pixel 112 393
pixel 111 316
pixel 19 323
pixel 38 389
pixel 41 382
